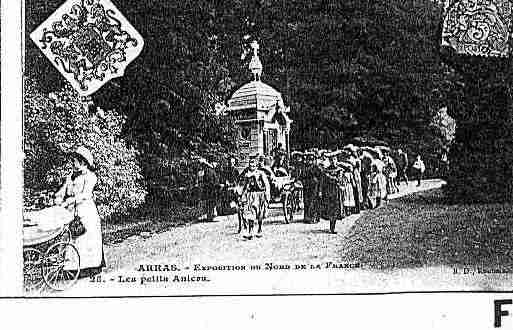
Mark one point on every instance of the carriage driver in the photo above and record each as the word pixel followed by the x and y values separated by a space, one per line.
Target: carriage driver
pixel 256 194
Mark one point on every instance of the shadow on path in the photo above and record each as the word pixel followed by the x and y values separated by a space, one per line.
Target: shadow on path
pixel 319 231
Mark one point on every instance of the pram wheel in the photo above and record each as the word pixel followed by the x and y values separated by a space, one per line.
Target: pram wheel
pixel 61 266
pixel 32 275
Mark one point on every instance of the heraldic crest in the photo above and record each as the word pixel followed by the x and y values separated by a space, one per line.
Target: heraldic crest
pixel 89 42
pixel 477 27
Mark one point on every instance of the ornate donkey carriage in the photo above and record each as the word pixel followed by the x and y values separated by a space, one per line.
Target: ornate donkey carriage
pixel 285 190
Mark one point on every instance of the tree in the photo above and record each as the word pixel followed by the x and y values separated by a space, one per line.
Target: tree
pixel 347 68
pixel 351 68
pixel 55 125
pixel 446 125
pixel 168 93
pixel 481 103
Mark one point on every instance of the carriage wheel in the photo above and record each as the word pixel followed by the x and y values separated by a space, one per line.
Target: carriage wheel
pixel 296 197
pixel 61 266
pixel 288 207
pixel 299 199
pixel 32 275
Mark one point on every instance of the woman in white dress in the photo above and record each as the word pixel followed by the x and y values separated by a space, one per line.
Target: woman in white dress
pixel 77 194
pixel 378 184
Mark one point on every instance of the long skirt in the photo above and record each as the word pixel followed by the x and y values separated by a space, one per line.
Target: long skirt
pixel 382 186
pixel 358 189
pixel 348 195
pixel 332 201
pixel 90 244
pixel 365 190
pixel 311 198
pixel 378 189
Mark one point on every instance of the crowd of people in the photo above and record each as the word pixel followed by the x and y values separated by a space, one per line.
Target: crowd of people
pixel 346 181
pixel 336 183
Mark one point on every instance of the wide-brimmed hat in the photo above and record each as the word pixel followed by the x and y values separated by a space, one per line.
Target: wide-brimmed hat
pixel 345 153
pixel 202 160
pixel 85 154
pixel 366 154
pixel 310 155
pixel 332 154
pixel 352 161
pixel 346 165
pixel 352 149
pixel 383 149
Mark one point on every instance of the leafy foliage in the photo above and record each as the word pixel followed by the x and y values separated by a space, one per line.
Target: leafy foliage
pixel 446 125
pixel 348 68
pixel 355 68
pixel 482 153
pixel 168 94
pixel 57 124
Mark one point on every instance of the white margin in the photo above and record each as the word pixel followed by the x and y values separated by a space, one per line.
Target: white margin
pixel 11 180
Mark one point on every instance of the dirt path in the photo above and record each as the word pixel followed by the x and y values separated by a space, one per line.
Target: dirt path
pixel 217 244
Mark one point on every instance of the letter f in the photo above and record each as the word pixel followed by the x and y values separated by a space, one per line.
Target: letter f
pixel 499 313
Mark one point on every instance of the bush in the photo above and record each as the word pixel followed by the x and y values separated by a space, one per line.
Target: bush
pixel 55 125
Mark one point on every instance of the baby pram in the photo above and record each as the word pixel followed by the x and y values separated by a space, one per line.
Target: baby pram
pixel 50 260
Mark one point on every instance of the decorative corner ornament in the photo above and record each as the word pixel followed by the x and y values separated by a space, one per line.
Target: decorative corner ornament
pixel 90 42
pixel 477 27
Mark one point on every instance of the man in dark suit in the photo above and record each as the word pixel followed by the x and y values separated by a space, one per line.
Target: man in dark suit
pixel 402 166
pixel 311 180
pixel 229 179
pixel 210 186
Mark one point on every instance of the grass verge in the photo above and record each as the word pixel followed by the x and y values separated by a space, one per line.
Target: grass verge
pixel 423 229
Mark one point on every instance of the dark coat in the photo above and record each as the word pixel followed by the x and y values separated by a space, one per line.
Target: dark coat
pixel 402 161
pixel 210 184
pixel 311 180
pixel 230 175
pixel 332 194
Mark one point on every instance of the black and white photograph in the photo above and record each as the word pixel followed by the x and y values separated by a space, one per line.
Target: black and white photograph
pixel 267 147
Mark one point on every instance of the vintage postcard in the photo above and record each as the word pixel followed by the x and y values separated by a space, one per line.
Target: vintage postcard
pixel 183 148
